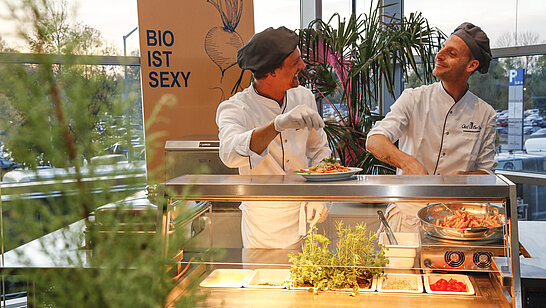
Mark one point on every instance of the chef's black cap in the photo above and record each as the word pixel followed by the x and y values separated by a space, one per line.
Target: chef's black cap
pixel 267 50
pixel 478 43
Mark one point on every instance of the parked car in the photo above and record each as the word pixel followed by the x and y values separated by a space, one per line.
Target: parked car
pixel 527 130
pixel 521 161
pixel 533 145
pixel 539 133
pixel 8 164
pixel 502 120
pixel 531 112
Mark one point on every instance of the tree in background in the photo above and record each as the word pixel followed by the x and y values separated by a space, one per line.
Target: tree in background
pixel 493 86
pixel 529 63
pixel 106 106
pixel 56 108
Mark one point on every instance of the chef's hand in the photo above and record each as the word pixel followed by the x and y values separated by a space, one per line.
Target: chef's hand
pixel 297 118
pixel 316 212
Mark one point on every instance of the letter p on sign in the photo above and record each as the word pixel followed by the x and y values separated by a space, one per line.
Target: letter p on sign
pixel 512 76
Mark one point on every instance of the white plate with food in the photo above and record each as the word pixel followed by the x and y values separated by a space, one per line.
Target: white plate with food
pixel 329 176
pixel 328 169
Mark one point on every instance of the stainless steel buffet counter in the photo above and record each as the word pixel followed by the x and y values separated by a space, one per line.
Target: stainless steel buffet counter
pixel 488 291
pixel 370 189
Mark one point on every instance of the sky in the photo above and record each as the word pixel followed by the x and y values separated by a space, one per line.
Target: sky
pixel 116 18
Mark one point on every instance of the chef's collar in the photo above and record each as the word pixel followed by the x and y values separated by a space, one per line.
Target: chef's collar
pixel 447 93
pixel 266 99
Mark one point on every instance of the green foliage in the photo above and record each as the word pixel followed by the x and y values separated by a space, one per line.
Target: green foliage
pixel 118 260
pixel 493 86
pixel 355 260
pixel 346 65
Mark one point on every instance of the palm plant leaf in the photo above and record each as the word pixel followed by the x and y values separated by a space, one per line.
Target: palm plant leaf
pixel 346 65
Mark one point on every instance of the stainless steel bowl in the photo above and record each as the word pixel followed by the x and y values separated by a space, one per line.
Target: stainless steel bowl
pixel 430 214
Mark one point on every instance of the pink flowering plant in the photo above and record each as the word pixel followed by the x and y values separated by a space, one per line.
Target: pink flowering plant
pixel 347 67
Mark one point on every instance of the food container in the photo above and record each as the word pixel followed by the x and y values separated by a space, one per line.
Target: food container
pixel 430 214
pixel 267 279
pixel 226 278
pixel 433 278
pixel 402 255
pixel 372 288
pixel 400 283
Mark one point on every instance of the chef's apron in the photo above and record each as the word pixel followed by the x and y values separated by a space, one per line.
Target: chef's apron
pixel 273 224
pixel 402 217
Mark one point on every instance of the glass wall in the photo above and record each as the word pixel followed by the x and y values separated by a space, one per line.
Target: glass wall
pixel 276 13
pixel 499 19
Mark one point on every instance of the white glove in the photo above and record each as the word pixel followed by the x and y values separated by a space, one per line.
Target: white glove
pixel 316 212
pixel 297 118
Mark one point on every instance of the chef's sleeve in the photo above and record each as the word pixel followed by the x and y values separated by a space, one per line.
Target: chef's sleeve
pixel 395 122
pixel 486 158
pixel 235 137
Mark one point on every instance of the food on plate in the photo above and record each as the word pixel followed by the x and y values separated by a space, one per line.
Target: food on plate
pixel 464 219
pixel 452 285
pixel 327 165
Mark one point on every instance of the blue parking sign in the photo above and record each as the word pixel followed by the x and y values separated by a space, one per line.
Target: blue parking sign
pixel 515 77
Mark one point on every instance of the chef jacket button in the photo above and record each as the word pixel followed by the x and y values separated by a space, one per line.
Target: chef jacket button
pixel 287 160
pixel 444 154
pixel 285 140
pixel 451 112
pixel 447 133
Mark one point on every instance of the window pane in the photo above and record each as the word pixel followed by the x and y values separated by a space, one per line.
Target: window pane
pixel 498 26
pixel 108 21
pixel 275 14
pixel 330 7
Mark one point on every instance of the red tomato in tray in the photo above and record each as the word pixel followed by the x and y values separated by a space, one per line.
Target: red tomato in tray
pixel 451 286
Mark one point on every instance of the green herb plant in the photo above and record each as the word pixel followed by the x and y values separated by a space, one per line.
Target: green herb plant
pixel 55 108
pixel 351 266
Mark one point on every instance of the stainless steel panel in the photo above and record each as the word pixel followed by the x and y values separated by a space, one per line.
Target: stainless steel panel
pixel 364 188
pixel 194 155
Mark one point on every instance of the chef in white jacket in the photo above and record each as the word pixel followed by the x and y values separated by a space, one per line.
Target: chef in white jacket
pixel 273 128
pixel 442 128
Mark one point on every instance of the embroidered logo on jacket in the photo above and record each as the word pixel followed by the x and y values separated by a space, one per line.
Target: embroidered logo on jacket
pixel 471 128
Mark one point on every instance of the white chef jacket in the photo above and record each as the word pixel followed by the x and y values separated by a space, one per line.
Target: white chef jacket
pixel 432 127
pixel 269 224
pixel 436 130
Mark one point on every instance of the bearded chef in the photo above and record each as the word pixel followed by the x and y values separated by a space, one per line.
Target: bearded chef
pixel 442 128
pixel 273 128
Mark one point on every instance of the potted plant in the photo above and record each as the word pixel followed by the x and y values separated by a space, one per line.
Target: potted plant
pixel 351 266
pixel 345 67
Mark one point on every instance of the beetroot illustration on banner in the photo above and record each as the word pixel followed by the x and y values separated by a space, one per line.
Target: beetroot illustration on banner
pixel 222 43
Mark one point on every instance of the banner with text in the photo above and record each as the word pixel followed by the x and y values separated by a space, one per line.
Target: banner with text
pixel 515 109
pixel 189 49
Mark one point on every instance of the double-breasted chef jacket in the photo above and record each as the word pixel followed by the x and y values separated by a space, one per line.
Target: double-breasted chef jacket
pixel 269 224
pixel 443 135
